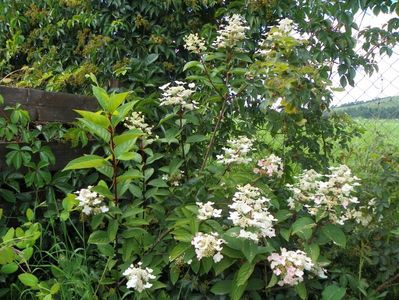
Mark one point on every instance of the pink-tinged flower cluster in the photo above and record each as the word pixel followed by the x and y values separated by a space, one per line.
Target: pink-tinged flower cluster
pixel 290 266
pixel 270 166
pixel 326 195
pixel 249 211
pixel 236 152
pixel 208 245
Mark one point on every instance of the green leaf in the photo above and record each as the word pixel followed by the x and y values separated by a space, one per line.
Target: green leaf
pixel 121 112
pixel 193 64
pixel 99 237
pixel 29 214
pixel 237 291
pixel 116 100
pixel 9 268
pixel 95 117
pixel 222 287
pixel 7 255
pixel 301 291
pixel 96 130
pixel 127 137
pixel 196 138
pixel 1 100
pixel 249 249
pixel 106 249
pixel 151 58
pixel 102 97
pixel 223 265
pixel 244 273
pixel 158 183
pixel 335 234
pixel 303 227
pixel 333 292
pixel 28 280
pixel 85 162
pixel 112 229
pixel 174 274
pixel 178 250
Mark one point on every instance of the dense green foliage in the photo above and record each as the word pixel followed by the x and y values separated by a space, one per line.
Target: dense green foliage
pixel 52 44
pixel 383 108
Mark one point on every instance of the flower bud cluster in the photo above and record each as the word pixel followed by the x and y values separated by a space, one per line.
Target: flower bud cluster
pixel 270 166
pixel 249 211
pixel 289 266
pixel 236 152
pixel 91 202
pixel 194 43
pixel 178 94
pixel 138 278
pixel 208 245
pixel 207 211
pixel 232 33
pixel 326 195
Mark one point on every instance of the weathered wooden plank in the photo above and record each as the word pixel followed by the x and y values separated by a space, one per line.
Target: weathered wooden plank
pixel 47 106
pixel 63 153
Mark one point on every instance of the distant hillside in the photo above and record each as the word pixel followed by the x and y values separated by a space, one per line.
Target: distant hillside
pixel 382 108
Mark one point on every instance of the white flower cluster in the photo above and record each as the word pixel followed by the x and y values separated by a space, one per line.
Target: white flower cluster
pixel 285 25
pixel 91 202
pixel 331 197
pixel 178 94
pixel 289 266
pixel 136 121
pixel 232 33
pixel 249 211
pixel 138 278
pixel 207 211
pixel 194 43
pixel 236 152
pixel 208 245
pixel 174 179
pixel 272 165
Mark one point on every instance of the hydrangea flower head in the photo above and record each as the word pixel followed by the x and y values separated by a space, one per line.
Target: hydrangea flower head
pixel 207 211
pixel 289 266
pixel 208 245
pixel 236 152
pixel 270 166
pixel 90 202
pixel 249 211
pixel 138 278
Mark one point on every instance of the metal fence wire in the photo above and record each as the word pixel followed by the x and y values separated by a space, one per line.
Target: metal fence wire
pixel 373 102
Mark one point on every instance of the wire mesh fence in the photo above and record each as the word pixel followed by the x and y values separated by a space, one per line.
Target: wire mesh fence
pixel 374 101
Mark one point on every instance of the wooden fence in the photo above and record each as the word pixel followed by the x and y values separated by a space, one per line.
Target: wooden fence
pixel 46 107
